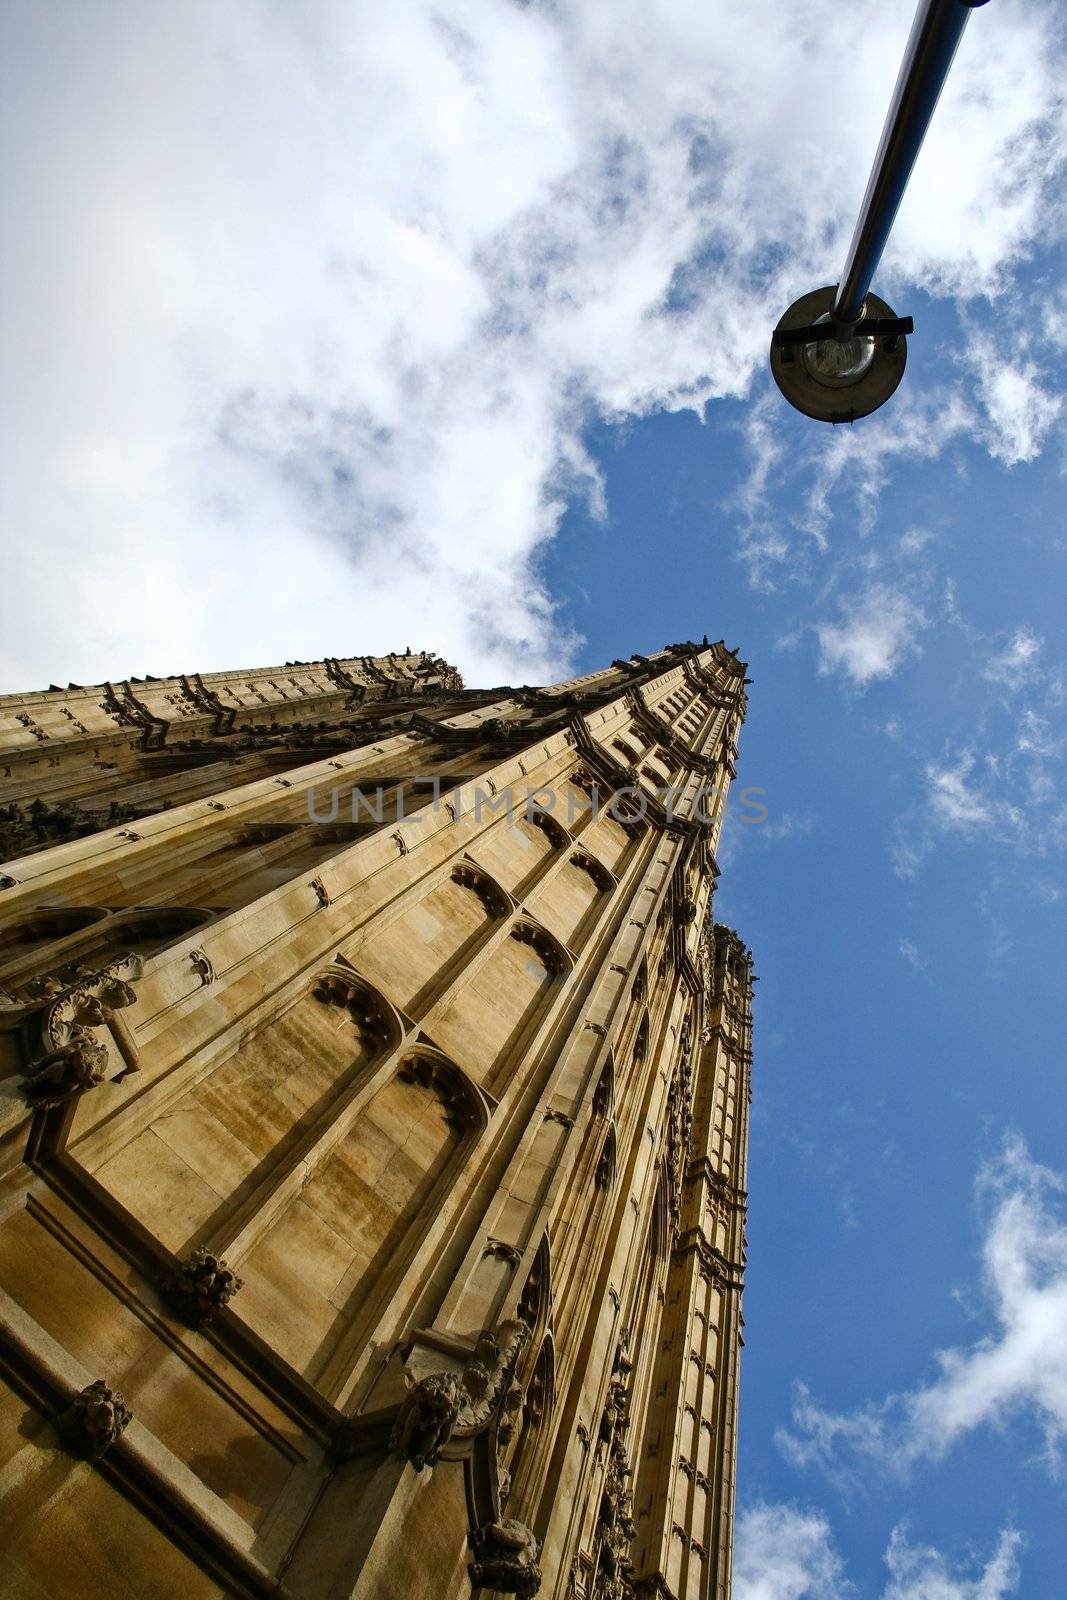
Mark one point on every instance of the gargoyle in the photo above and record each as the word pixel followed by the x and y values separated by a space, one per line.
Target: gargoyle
pixel 425 1420
pixel 505 1558
pixel 66 1071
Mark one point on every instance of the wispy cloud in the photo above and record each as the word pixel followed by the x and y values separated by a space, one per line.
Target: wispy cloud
pixel 787 1552
pixel 919 1572
pixel 877 632
pixel 1016 396
pixel 957 802
pixel 911 954
pixel 1019 1368
pixel 1016 661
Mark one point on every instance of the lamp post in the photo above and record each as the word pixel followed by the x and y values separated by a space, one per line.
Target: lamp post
pixel 838 353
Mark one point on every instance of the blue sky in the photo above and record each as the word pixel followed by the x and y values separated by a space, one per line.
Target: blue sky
pixel 329 331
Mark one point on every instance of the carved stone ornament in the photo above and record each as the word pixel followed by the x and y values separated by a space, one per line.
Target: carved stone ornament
pixel 69 1069
pixel 337 989
pixel 492 897
pixel 545 947
pixel 94 1420
pixel 505 1558
pixel 425 1420
pixel 202 963
pixel 595 869
pixel 447 1403
pixel 458 1099
pixel 685 912
pixel 502 1251
pixel 71 1060
pixel 202 1284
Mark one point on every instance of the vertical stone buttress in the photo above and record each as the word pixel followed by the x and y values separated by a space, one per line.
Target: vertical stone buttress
pixel 684 1499
pixel 371 1137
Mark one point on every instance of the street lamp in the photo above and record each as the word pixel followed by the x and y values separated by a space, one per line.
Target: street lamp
pixel 838 353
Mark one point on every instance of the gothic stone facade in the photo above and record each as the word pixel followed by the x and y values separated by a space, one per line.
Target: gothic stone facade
pixel 372 1151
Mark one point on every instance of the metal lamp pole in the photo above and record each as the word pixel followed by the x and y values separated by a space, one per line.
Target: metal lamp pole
pixel 838 353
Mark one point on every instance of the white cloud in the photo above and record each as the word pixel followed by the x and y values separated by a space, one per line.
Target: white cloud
pixel 308 305
pixel 785 1553
pixel 1016 397
pixel 877 633
pixel 922 1573
pixel 911 953
pixel 1017 1369
pixel 1016 662
pixel 953 801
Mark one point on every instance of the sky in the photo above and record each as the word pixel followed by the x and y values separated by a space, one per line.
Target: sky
pixel 331 328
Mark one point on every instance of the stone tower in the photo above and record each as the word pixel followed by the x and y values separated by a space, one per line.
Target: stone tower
pixel 373 1108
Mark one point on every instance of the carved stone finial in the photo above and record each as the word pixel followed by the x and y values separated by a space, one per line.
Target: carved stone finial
pixel 94 1420
pixel 72 1067
pixel 505 1558
pixel 425 1420
pixel 202 1284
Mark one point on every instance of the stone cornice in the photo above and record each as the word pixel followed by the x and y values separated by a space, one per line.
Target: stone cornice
pixel 712 1263
pixel 702 1171
pixel 653 1587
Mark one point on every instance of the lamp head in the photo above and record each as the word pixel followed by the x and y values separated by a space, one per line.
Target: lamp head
pixel 847 373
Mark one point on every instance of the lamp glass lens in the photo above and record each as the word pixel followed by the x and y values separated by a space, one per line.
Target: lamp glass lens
pixel 839 362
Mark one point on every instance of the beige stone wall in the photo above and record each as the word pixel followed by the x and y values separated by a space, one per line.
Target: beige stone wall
pixel 379 1136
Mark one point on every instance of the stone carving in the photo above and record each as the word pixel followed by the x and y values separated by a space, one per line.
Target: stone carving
pixel 444 1403
pixel 79 1063
pixel 615 1525
pixel 426 1419
pixel 504 1252
pixel 487 1376
pixel 96 1417
pixel 679 1132
pixel 556 835
pixel 604 1176
pixel 202 1284
pixel 685 912
pixel 71 1060
pixel 505 1558
pixel 322 894
pixel 336 989
pixel 202 963
pixel 462 1107
pixel 509 1415
pixel 604 1093
pixel 545 946
pixel 492 897
pixel 109 994
pixel 596 870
